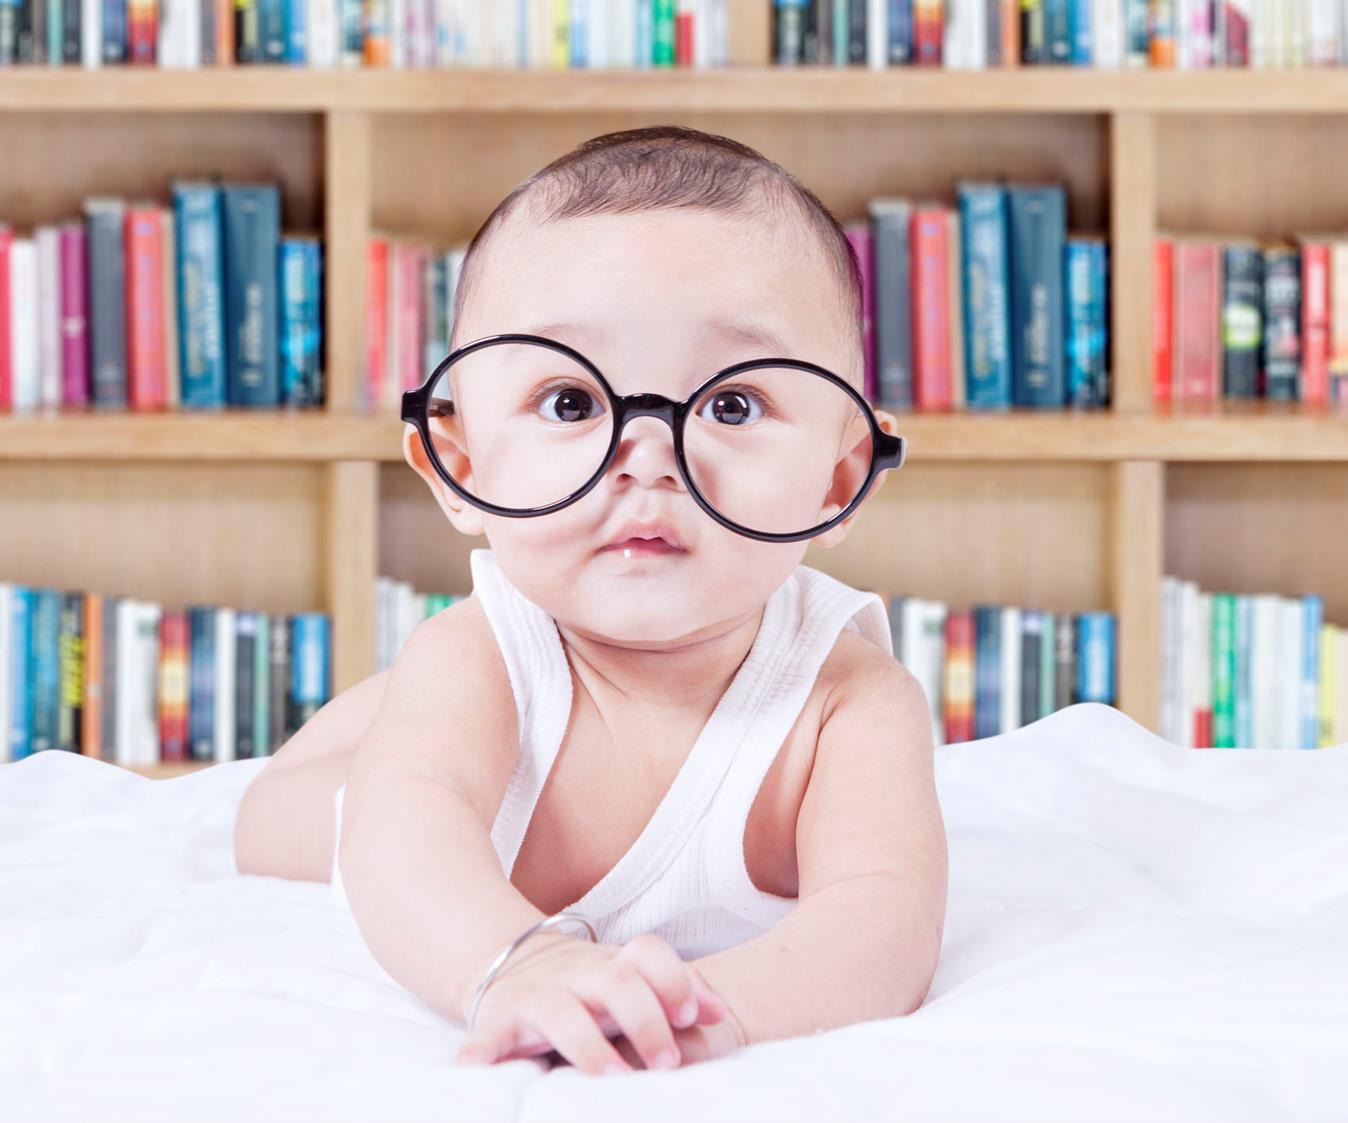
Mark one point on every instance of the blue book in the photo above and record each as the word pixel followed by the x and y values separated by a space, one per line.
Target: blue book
pixel 579 33
pixel 1095 657
pixel 201 682
pixel 900 51
pixel 987 304
pixel 114 31
pixel 645 34
pixel 11 14
pixel 301 321
pixel 296 32
pixel 271 28
pixel 987 670
pixel 18 681
pixel 310 665
pixel 200 269
pixel 1083 34
pixel 44 667
pixel 1087 322
pixel 1313 609
pixel 1037 234
pixel 1244 708
pixel 251 220
pixel 1058 35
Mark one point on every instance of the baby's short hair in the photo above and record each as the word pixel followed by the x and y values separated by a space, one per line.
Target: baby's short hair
pixel 666 166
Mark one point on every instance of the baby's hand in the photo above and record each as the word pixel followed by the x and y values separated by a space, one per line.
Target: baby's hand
pixel 571 995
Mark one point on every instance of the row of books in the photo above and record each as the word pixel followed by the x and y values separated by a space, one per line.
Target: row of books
pixel 976 34
pixel 992 668
pixel 985 305
pixel 399 608
pixel 188 34
pixel 1259 670
pixel 135 682
pixel 1237 319
pixel 982 306
pixel 197 305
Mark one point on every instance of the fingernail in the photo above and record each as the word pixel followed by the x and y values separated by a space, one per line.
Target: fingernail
pixel 616 1068
pixel 687 1012
pixel 668 1059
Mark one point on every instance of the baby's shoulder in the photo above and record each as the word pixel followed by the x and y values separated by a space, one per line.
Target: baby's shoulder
pixel 457 647
pixel 856 668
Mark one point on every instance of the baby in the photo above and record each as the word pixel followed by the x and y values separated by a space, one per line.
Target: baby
pixel 649 714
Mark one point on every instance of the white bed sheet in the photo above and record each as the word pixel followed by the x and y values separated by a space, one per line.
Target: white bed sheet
pixel 1135 931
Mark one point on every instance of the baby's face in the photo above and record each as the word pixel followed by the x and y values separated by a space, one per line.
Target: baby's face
pixel 657 302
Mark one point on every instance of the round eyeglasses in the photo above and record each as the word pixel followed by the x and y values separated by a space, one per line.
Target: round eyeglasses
pixel 763 446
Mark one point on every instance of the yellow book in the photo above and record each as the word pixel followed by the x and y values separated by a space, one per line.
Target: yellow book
pixel 1330 734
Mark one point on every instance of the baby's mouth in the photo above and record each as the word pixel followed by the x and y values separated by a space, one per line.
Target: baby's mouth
pixel 642 547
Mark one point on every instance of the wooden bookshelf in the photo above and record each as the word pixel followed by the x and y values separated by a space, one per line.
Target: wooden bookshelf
pixel 292 511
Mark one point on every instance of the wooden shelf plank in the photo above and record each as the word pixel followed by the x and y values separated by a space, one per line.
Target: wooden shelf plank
pixel 730 89
pixel 1261 432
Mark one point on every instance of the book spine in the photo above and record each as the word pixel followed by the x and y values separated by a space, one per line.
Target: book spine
pixel 311 674
pixel 351 39
pixel 297 33
pixel 147 378
pixel 247 31
pixel 1223 671
pixel 271 30
pixel 1031 664
pixel 173 686
pixel 279 682
pixel 1315 323
pixel 1282 324
pixel 859 235
pixel 142 31
pixel 70 653
pixel 662 34
pixel 856 31
pixel 1095 657
pixel 33 33
pixel 44 668
pixel 251 223
pixel 1082 32
pixel 1312 620
pixel 113 42
pixel 437 310
pixel 299 322
pixel 1237 33
pixel 928 32
pixel 1198 288
pixel 1163 27
pixel 245 639
pixel 1322 33
pixel 74 315
pixel 1033 39
pixel 1058 31
pixel 1086 315
pixel 6 344
pixel 1037 228
pixel 48 240
pixel 1137 37
pixel 891 220
pixel 1108 19
pixel 987 308
pixel 1009 684
pixel 71 32
pixel 201 354
pixel 108 702
pixel 1244 686
pixel 19 681
pixel 10 12
pixel 262 743
pixel 992 28
pixel 987 670
pixel 931 324
pixel 1065 660
pixel 1010 32
pixel 1242 320
pixel 1338 323
pixel 376 320
pixel 201 702
pixel 1163 319
pixel 1328 687
pixel 955 307
pixel 107 278
pixel 91 735
pixel 958 678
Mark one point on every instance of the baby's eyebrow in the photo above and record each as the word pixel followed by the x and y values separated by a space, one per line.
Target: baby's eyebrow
pixel 744 333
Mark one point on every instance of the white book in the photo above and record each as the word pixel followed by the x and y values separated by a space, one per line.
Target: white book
pixel 622 35
pixel 1192 662
pixel 381 623
pixel 6 664
pixel 91 34
pixel 1294 33
pixel 1204 682
pixel 1010 652
pixel 966 35
pixel 444 33
pixel 540 34
pixel 1323 32
pixel 124 703
pixel 1169 592
pixel 323 32
pixel 471 51
pixel 877 34
pixel 26 389
pixel 1108 29
pixel 1257 21
pixel 719 21
pixel 48 239
pixel 226 651
pixel 929 666
pixel 399 48
pixel 702 33
pixel 1289 673
pixel 191 34
pixel 1264 671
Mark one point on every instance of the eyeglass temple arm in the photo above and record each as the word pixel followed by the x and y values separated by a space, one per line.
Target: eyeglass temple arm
pixel 893 450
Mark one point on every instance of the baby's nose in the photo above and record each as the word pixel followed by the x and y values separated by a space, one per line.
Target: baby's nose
pixel 646 453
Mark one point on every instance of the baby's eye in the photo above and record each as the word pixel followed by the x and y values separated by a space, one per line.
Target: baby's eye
pixel 732 407
pixel 570 403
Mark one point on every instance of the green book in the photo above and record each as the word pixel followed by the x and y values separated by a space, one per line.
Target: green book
pixel 262 687
pixel 1223 671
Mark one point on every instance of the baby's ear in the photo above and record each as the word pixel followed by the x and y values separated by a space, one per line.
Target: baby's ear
pixel 462 515
pixel 854 471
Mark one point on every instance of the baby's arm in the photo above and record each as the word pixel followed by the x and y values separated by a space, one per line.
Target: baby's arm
pixel 864 938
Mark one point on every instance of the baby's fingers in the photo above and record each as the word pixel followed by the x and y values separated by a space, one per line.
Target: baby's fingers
pixel 564 1021
pixel 668 976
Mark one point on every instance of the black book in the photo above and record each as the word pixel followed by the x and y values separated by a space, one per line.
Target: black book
pixel 247 36
pixel 36 25
pixel 105 219
pixel 1031 643
pixel 1242 319
pixel 856 33
pixel 72 18
pixel 245 643
pixel 1033 41
pixel 893 308
pixel 823 32
pixel 788 38
pixel 279 710
pixel 1282 324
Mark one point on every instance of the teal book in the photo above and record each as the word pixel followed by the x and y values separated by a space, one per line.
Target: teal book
pixel 19 681
pixel 1058 30
pixel 987 670
pixel 201 624
pixel 1087 323
pixel 301 321
pixel 251 219
pixel 1223 670
pixel 1037 226
pixel 987 302
pixel 1244 637
pixel 200 269
pixel 310 664
pixel 262 745
pixel 44 667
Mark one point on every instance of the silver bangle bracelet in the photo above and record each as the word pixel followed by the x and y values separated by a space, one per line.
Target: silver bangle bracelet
pixel 499 962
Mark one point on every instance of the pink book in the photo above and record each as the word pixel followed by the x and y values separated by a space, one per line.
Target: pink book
pixel 859 234
pixel 1198 294
pixel 74 315
pixel 6 375
pixel 411 260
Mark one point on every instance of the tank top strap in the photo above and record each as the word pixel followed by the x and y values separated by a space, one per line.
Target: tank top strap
pixel 540 679
pixel 818 608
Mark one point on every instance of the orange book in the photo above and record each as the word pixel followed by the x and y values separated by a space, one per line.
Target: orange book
pixel 1163 319
pixel 224 32
pixel 1010 32
pixel 376 320
pixel 374 18
pixel 147 368
pixel 930 289
pixel 173 685
pixel 142 31
pixel 958 687
pixel 91 735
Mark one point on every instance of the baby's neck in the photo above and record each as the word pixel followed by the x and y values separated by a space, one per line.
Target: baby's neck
pixel 691 677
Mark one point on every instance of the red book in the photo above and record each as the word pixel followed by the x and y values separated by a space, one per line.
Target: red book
pixel 376 320
pixel 931 308
pixel 410 261
pixel 683 38
pixel 1203 729
pixel 1163 319
pixel 147 371
pixel 1315 322
pixel 1198 299
pixel 142 31
pixel 958 693
pixel 173 683
pixel 6 375
pixel 928 32
pixel 859 234
pixel 74 315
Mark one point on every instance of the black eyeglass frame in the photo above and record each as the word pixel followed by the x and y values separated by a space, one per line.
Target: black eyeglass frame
pixel 887 451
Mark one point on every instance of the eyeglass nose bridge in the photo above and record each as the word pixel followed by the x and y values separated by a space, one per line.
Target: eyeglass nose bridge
pixel 648 405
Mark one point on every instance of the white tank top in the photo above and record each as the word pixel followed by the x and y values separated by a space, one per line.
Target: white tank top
pixel 684 878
